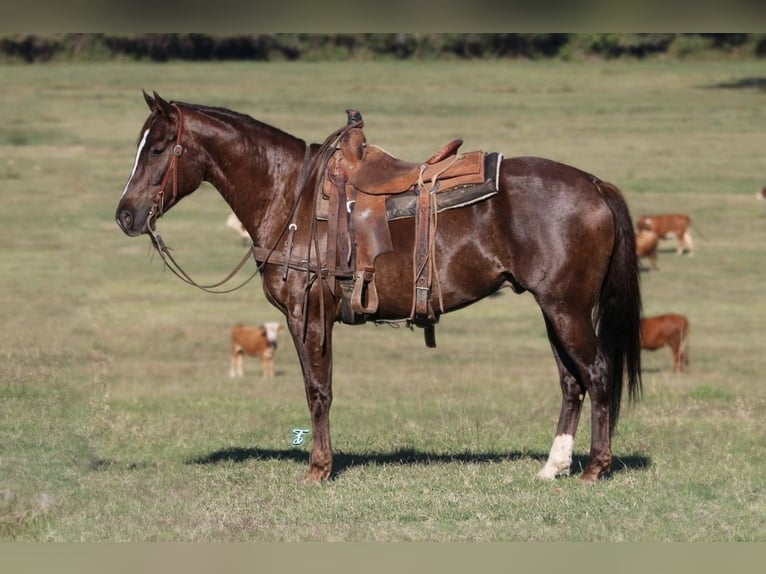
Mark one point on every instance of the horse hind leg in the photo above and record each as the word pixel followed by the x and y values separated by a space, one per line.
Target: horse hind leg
pixel 560 458
pixel 584 367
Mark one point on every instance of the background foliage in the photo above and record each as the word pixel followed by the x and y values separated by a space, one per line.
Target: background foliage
pixel 265 47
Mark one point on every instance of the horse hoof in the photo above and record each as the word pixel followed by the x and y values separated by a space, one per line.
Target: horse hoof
pixel 590 476
pixel 310 479
pixel 551 474
pixel 315 477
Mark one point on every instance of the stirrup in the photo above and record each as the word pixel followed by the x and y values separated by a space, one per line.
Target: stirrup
pixel 364 290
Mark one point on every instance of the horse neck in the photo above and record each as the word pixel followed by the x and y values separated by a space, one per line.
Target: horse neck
pixel 257 169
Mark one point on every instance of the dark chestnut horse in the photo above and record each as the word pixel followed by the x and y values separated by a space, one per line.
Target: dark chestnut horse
pixel 553 230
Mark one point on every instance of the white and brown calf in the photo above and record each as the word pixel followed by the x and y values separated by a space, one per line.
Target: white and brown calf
pixel 255 342
pixel 672 225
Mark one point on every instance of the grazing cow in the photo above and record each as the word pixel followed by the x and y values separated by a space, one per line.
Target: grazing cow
pixel 646 246
pixel 234 223
pixel 256 342
pixel 761 194
pixel 673 225
pixel 670 329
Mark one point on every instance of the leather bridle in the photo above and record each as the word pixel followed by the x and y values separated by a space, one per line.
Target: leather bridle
pixel 178 150
pixel 259 254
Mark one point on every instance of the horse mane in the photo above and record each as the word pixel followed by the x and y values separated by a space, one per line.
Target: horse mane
pixel 229 116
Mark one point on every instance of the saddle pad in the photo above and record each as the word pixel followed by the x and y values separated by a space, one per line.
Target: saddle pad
pixel 403 205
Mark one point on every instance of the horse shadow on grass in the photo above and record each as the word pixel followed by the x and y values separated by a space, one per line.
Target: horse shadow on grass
pixel 742 83
pixel 342 461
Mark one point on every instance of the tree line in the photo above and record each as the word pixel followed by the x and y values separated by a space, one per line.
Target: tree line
pixel 34 48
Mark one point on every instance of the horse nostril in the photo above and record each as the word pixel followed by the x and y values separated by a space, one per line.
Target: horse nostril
pixel 125 219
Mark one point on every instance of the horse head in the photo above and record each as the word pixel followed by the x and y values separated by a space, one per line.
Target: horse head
pixel 166 168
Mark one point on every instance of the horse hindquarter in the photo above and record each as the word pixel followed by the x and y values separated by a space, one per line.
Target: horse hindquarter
pixel 573 241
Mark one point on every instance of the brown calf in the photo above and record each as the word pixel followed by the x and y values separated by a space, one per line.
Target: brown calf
pixel 672 225
pixel 256 342
pixel 670 329
pixel 646 246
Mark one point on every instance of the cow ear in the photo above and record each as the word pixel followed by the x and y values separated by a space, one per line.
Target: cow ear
pixel 162 106
pixel 149 101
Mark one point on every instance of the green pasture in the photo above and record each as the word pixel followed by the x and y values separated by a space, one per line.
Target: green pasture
pixel 118 421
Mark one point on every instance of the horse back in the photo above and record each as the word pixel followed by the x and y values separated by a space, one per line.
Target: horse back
pixel 545 222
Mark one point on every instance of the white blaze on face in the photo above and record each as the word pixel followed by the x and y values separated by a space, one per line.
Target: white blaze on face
pixel 135 163
pixel 559 459
pixel 272 330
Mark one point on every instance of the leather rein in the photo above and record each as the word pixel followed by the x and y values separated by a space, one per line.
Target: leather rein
pixel 260 255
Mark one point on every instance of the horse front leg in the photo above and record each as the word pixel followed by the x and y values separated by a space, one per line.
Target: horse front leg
pixel 315 355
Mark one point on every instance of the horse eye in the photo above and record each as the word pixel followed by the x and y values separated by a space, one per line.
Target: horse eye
pixel 157 151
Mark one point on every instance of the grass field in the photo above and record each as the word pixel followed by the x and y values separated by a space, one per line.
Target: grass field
pixel 118 421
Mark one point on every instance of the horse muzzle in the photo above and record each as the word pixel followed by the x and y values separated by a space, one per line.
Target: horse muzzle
pixel 133 222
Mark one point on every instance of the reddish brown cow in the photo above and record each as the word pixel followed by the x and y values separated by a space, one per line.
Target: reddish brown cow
pixel 670 329
pixel 646 246
pixel 672 225
pixel 256 342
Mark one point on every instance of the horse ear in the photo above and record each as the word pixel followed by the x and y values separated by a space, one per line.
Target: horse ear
pixel 149 101
pixel 162 106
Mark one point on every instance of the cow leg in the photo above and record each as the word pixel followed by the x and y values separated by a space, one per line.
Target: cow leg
pixel 235 363
pixel 316 363
pixel 267 364
pixel 560 457
pixel 687 241
pixel 675 348
pixel 577 346
pixel 684 351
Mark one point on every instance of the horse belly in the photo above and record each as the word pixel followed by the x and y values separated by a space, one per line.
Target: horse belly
pixel 466 265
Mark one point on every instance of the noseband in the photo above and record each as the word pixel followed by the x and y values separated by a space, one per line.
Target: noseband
pixel 178 150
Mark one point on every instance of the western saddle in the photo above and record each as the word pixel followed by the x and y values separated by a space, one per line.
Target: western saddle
pixel 364 187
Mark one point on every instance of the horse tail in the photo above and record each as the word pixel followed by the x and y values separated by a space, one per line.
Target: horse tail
pixel 619 306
